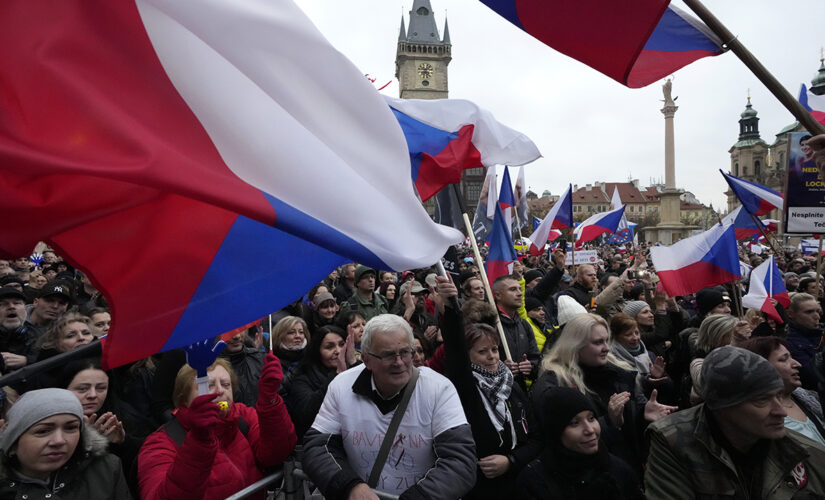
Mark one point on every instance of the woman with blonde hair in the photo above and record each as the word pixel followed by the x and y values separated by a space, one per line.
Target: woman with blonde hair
pixel 716 330
pixel 581 359
pixel 289 341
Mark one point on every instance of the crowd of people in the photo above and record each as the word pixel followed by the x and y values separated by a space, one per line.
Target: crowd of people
pixel 568 382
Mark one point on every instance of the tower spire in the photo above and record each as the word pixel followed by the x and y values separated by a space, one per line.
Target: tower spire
pixel 422 23
pixel 446 39
pixel 402 33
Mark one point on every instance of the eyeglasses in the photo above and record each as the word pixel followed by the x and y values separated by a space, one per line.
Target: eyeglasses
pixel 388 357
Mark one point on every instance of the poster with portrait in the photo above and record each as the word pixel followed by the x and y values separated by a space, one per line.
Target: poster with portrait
pixel 805 191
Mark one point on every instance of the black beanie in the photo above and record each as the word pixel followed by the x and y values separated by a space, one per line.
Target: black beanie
pixel 531 303
pixel 708 298
pixel 531 275
pixel 561 404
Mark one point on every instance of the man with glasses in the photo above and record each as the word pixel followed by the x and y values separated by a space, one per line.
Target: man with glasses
pixel 341 447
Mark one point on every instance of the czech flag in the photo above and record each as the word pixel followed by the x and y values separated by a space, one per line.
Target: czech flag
pixel 815 104
pixel 757 200
pixel 505 196
pixel 704 260
pixel 559 217
pixel 501 254
pixel 447 136
pixel 766 283
pixel 198 167
pixel 743 223
pixel 597 224
pixel 635 43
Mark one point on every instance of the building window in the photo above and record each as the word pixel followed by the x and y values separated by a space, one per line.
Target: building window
pixel 735 169
pixel 631 208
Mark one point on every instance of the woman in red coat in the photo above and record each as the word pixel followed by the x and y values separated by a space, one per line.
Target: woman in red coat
pixel 211 449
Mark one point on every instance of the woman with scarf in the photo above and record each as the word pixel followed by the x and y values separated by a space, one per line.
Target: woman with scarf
pixel 628 346
pixel 498 411
pixel 574 465
pixel 289 341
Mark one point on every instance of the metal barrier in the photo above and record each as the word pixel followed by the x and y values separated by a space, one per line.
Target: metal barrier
pixel 293 484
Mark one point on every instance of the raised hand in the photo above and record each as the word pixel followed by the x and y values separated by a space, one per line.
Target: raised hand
pixel 615 408
pixel 657 369
pixel 201 417
pixel 655 410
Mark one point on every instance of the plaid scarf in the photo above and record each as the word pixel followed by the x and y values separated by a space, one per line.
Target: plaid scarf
pixel 495 388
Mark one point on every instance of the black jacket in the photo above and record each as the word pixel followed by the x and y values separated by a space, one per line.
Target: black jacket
pixel 303 392
pixel 247 365
pixel 578 292
pixel 521 340
pixel 488 440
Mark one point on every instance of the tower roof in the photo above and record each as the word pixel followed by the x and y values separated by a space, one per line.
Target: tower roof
pixel 422 23
pixel 818 82
pixel 446 39
pixel 402 33
pixel 749 111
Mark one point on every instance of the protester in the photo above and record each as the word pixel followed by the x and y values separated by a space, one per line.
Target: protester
pixel 289 341
pixel 389 290
pixel 353 324
pixel 518 332
pixel 805 336
pixel 575 465
pixel 628 346
pixel 53 301
pixel 304 388
pixel 17 340
pixel 803 406
pixel 248 363
pixel 365 300
pixel 422 350
pixel 49 452
pixel 72 330
pixel 735 443
pixel 716 330
pixel 581 358
pixel 435 455
pixel 101 321
pixel 497 410
pixel 584 288
pixel 346 284
pixel 210 452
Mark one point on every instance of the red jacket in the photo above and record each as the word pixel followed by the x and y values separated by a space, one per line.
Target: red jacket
pixel 222 466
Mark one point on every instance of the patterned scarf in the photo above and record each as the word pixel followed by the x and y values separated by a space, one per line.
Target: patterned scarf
pixel 495 388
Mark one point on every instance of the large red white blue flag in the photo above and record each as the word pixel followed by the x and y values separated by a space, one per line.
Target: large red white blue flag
pixel 635 43
pixel 707 259
pixel 757 199
pixel 598 224
pixel 560 216
pixel 765 284
pixel 501 254
pixel 447 136
pixel 200 168
pixel 744 223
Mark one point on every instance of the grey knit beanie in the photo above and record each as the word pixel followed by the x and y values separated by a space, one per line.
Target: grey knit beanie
pixel 634 307
pixel 732 375
pixel 34 406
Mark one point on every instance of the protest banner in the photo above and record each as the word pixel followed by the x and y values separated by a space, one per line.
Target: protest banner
pixel 805 191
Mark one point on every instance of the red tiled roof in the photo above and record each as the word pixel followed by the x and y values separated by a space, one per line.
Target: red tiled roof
pixel 595 195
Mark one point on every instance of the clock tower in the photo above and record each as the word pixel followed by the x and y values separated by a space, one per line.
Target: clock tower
pixel 422 57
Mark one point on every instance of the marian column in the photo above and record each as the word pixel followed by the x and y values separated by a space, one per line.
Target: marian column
pixel 670 155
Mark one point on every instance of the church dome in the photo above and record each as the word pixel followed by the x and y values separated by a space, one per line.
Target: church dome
pixel 818 82
pixel 749 111
pixel 546 193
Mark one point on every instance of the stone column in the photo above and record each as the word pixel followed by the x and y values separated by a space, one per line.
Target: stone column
pixel 670 155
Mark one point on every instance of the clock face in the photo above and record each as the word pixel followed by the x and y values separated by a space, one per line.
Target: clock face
pixel 425 70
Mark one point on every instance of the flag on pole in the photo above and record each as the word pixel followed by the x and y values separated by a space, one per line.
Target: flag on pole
pixel 520 194
pixel 157 146
pixel 447 136
pixel 635 43
pixel 506 200
pixel 616 202
pixel 597 224
pixel 501 255
pixel 815 104
pixel 560 216
pixel 486 208
pixel 757 200
pixel 707 259
pixel 766 284
pixel 742 223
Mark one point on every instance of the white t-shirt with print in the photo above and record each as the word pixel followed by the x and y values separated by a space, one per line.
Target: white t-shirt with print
pixel 433 408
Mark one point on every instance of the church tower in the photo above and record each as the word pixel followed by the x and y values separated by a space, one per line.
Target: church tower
pixel 748 155
pixel 422 57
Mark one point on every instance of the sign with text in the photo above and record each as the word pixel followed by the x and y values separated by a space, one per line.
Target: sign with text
pixel 805 192
pixel 582 257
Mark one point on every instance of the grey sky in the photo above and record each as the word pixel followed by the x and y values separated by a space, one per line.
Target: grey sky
pixel 587 126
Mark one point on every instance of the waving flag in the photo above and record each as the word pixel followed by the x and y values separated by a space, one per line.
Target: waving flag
pixel 520 194
pixel 743 223
pixel 624 235
pixel 559 217
pixel 635 43
pixel 486 208
pixel 757 200
pixel 766 284
pixel 501 254
pixel 815 104
pixel 597 224
pixel 447 136
pixel 536 223
pixel 160 146
pixel 704 260
pixel 616 202
pixel 506 200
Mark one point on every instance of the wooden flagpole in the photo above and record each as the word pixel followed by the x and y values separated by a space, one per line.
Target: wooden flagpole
pixel 756 67
pixel 480 263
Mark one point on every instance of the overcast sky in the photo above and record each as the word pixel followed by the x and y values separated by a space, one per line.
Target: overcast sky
pixel 589 127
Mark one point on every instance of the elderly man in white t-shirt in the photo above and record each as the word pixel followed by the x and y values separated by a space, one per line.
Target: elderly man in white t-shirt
pixel 341 447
